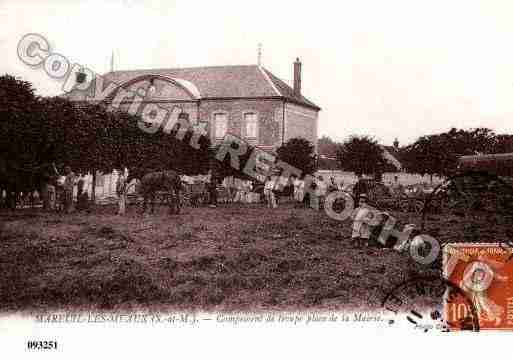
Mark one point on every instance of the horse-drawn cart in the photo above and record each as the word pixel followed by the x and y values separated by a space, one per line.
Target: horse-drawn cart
pixel 408 199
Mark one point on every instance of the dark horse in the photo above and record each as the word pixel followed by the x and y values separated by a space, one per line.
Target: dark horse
pixel 163 183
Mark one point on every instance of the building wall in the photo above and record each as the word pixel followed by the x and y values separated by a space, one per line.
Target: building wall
pixel 268 113
pixel 278 121
pixel 301 122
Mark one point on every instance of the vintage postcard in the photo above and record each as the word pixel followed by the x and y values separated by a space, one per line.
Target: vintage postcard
pixel 225 177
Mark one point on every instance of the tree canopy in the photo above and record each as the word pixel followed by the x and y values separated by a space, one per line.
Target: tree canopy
pixel 362 155
pixel 299 153
pixel 438 154
pixel 35 131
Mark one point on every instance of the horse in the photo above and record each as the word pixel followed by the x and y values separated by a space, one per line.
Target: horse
pixel 168 182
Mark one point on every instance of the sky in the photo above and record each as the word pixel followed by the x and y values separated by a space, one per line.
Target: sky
pixel 383 68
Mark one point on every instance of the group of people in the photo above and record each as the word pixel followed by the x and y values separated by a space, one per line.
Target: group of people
pixel 315 199
pixel 247 191
pixel 57 191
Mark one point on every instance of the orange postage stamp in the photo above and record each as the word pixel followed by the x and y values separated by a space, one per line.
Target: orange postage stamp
pixel 484 272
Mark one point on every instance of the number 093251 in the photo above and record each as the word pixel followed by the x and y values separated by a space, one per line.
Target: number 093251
pixel 41 345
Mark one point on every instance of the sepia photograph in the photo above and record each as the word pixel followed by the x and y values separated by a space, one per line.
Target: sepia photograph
pixel 255 170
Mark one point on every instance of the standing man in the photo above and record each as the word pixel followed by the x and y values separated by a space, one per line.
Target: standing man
pixel 360 188
pixel 212 190
pixel 320 193
pixel 269 194
pixel 397 188
pixel 361 229
pixel 121 192
pixel 230 187
pixel 296 182
pixel 82 196
pixel 51 195
pixel 69 184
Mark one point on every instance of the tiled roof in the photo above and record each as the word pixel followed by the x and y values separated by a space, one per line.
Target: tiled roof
pixel 287 91
pixel 243 81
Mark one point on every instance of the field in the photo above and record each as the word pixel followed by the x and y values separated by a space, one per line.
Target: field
pixel 234 257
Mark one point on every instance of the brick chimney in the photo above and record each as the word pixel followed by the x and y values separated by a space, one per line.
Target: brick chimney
pixel 297 77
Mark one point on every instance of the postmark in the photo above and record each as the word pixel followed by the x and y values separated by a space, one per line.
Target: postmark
pixel 422 302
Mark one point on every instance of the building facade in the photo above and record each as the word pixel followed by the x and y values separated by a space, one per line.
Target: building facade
pixel 245 101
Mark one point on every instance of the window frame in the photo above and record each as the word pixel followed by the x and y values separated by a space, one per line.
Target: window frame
pixel 245 125
pixel 214 122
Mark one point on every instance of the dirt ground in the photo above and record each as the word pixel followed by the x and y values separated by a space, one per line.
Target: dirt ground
pixel 234 257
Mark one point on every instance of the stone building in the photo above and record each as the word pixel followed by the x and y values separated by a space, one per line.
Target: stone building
pixel 246 101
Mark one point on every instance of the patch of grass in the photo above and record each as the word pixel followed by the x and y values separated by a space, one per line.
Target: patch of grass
pixel 229 258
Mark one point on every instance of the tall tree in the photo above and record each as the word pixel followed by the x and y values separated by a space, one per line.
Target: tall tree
pixel 438 154
pixel 87 137
pixel 503 144
pixel 299 153
pixel 362 155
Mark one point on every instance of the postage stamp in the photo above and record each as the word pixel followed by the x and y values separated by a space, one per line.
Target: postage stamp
pixel 484 272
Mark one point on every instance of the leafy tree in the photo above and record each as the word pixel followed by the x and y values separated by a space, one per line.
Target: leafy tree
pixel 20 126
pixel 470 142
pixel 362 155
pixel 503 144
pixel 19 121
pixel 37 131
pixel 438 154
pixel 429 155
pixel 298 153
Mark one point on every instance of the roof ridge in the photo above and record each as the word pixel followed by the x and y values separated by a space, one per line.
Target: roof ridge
pixel 180 68
pixel 226 81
